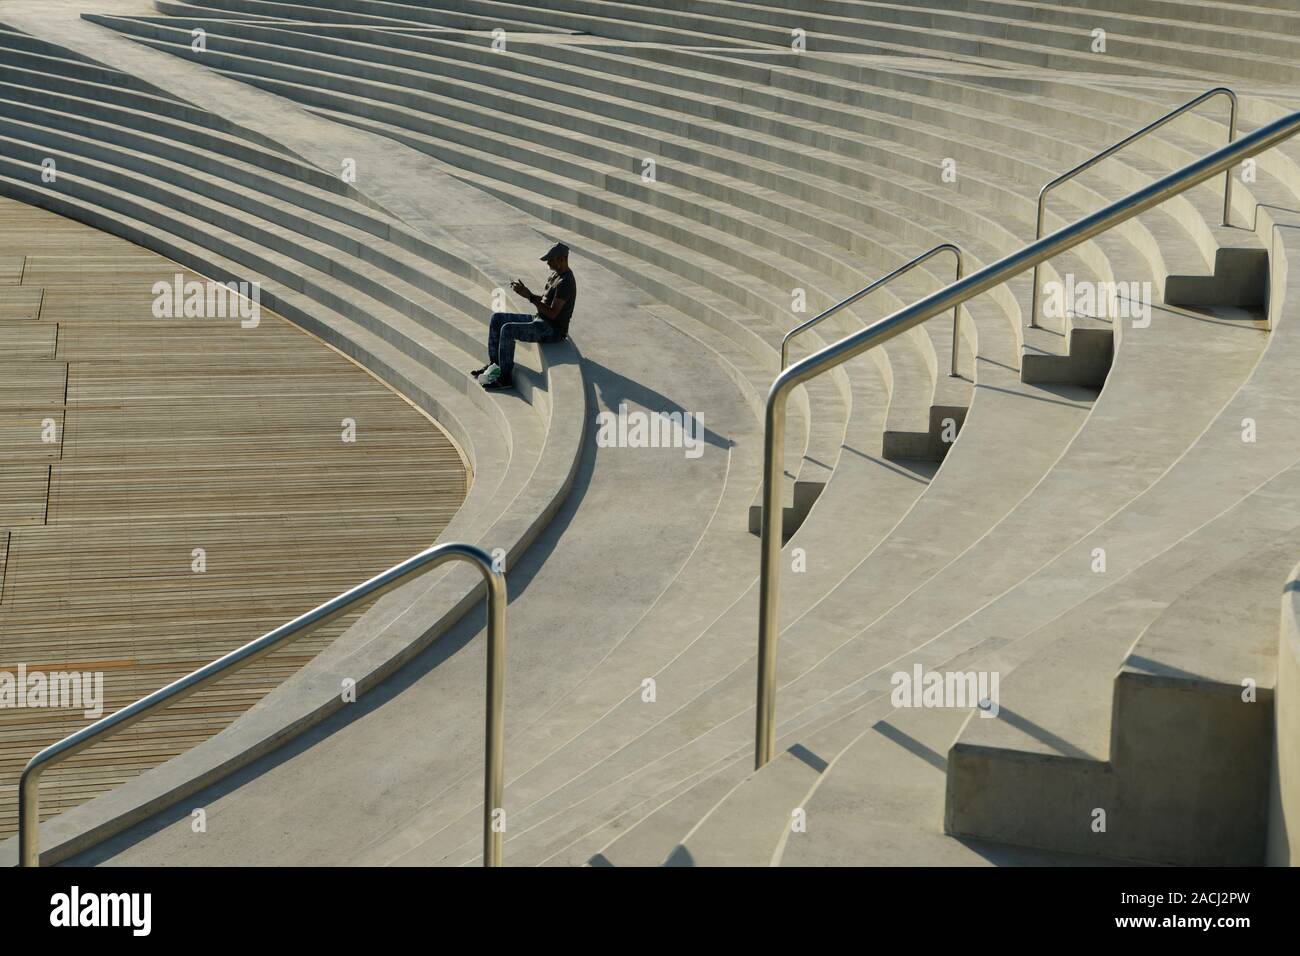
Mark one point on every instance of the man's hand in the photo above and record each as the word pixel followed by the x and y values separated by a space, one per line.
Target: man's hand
pixel 520 289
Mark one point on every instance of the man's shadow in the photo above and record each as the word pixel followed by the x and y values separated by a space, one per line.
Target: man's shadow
pixel 614 389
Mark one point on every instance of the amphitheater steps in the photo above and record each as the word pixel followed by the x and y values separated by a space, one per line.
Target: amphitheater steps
pixel 66 71
pixel 716 707
pixel 912 360
pixel 709 24
pixel 609 767
pixel 835 513
pixel 1093 375
pixel 872 744
pixel 1256 402
pixel 647 650
pixel 563 632
pixel 344 17
pixel 448 286
pixel 1169 39
pixel 451 322
pixel 945 344
pixel 825 431
pixel 195 146
pixel 1151 370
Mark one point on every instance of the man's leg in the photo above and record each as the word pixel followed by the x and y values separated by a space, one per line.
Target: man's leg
pixel 499 320
pixel 532 330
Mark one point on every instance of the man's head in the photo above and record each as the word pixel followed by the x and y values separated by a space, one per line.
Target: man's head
pixel 557 257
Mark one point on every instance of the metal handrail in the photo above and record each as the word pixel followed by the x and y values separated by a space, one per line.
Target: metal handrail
pixel 1112 150
pixel 992 275
pixel 494 771
pixel 906 267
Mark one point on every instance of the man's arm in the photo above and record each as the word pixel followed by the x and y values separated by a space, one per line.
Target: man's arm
pixel 550 313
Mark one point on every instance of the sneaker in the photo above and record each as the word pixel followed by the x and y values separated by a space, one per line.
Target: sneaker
pixel 499 383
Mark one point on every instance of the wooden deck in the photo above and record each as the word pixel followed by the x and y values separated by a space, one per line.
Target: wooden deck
pixel 126 443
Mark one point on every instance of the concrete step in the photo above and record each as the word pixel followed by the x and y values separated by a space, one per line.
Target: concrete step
pixel 1185 749
pixel 918 839
pixel 1240 280
pixel 937 416
pixel 837 525
pixel 862 814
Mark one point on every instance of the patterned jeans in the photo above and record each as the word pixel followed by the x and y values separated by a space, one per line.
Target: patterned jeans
pixel 507 328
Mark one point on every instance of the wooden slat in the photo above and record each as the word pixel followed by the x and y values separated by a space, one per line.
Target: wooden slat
pixel 20 303
pixel 11 269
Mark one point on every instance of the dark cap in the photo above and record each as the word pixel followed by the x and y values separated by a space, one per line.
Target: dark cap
pixel 557 251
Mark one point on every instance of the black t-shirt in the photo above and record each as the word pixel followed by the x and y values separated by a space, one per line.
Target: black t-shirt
pixel 561 286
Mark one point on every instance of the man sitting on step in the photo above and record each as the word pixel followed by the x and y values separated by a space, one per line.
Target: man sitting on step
pixel 551 324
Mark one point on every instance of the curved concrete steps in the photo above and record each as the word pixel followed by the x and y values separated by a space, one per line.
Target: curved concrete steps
pixel 65 71
pixel 369 52
pixel 931 423
pixel 639 846
pixel 794 249
pixel 1122 402
pixel 872 28
pixel 1142 421
pixel 1197 501
pixel 707 693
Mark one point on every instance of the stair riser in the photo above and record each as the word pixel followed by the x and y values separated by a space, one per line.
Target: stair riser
pixel 1087 364
pixel 1241 279
pixel 1193 761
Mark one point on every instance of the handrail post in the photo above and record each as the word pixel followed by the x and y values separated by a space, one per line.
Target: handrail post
pixel 962 290
pixel 1038 232
pixel 494 777
pixel 427 560
pixel 956 313
pixel 770 570
pixel 905 267
pixel 1232 135
pixel 1115 148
